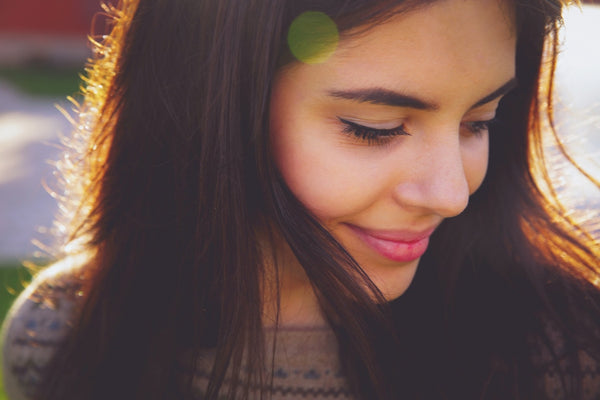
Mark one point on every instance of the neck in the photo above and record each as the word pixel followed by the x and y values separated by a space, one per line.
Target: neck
pixel 286 285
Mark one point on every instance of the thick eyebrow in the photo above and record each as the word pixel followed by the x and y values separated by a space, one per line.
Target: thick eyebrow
pixel 501 91
pixel 388 97
pixel 383 97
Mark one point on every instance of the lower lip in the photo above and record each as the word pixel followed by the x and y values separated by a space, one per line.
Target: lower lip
pixel 398 251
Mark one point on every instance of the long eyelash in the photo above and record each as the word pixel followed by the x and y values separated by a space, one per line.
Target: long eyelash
pixel 477 128
pixel 372 135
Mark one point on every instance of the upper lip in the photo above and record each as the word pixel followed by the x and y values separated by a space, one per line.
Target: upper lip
pixel 396 235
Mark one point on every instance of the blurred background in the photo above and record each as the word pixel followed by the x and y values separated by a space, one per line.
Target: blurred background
pixel 44 46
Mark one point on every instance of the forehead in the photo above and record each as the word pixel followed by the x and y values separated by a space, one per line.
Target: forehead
pixel 433 50
pixel 451 24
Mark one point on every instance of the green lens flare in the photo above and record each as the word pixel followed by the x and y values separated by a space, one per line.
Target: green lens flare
pixel 313 37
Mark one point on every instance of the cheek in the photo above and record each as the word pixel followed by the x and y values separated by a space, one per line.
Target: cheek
pixel 326 176
pixel 322 178
pixel 475 162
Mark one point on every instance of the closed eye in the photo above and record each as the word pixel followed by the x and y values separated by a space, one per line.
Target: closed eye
pixel 370 135
pixel 478 128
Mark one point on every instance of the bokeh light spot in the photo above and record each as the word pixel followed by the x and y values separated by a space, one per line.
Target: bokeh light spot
pixel 313 37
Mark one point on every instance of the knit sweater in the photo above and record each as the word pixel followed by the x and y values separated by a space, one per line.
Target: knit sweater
pixel 306 364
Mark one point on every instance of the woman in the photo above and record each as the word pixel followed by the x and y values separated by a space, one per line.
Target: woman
pixel 296 199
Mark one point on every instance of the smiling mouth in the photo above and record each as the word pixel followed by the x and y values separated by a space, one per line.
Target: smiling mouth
pixel 395 245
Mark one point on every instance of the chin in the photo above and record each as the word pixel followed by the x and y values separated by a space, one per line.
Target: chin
pixel 394 280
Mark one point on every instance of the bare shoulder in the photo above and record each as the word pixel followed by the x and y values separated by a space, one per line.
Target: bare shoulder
pixel 38 322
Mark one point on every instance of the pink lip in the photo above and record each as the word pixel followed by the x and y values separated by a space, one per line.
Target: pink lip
pixel 396 245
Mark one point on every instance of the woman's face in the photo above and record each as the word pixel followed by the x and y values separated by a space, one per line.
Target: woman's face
pixel 388 137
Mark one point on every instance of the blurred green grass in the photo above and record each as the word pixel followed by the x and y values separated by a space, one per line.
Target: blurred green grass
pixel 13 278
pixel 43 80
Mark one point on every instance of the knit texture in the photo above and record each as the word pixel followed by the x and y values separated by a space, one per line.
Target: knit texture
pixel 305 363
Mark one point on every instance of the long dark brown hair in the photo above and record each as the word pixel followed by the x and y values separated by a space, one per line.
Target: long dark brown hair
pixel 176 190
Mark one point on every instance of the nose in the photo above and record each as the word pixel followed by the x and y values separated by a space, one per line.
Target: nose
pixel 437 181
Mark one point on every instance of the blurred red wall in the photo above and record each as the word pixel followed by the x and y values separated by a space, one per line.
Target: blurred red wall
pixel 62 17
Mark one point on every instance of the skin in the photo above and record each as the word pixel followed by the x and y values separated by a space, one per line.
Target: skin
pixel 449 55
